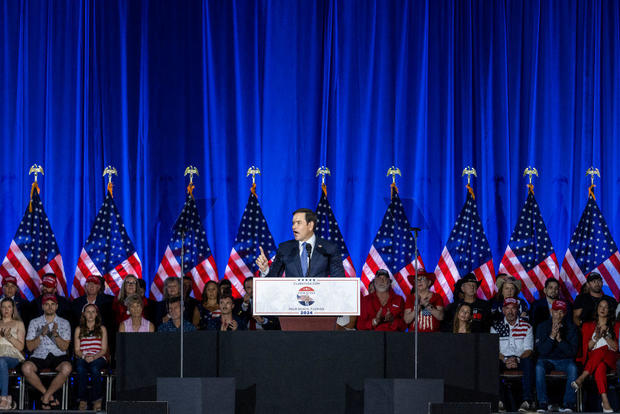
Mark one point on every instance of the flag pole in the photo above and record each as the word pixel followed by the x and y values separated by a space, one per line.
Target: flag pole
pixel 191 171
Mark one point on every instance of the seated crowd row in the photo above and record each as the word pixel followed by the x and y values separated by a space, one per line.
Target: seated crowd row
pixel 548 335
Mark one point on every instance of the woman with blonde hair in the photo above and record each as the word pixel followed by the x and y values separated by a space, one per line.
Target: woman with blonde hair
pixel 12 334
pixel 91 348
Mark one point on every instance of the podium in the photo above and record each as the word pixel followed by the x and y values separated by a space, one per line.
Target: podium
pixel 306 304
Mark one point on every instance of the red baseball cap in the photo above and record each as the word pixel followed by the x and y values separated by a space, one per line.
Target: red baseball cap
pixel 511 301
pixel 92 279
pixel 49 281
pixel 9 279
pixel 47 298
pixel 559 305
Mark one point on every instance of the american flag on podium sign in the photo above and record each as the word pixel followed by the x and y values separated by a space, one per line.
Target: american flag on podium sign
pixel 467 250
pixel 198 261
pixel 108 251
pixel 328 229
pixel 253 232
pixel 591 248
pixel 529 255
pixel 392 249
pixel 34 251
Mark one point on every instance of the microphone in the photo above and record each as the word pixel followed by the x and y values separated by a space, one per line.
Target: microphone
pixel 309 250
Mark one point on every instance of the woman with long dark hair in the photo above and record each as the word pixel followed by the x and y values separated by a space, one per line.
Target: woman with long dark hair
pixel 462 319
pixel 209 307
pixel 599 350
pixel 91 348
pixel 12 333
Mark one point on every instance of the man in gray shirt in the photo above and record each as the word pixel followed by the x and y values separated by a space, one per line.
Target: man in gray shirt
pixel 48 339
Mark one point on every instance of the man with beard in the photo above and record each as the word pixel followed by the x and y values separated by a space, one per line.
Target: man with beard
pixel 541 308
pixel 49 287
pixel 306 256
pixel 383 309
pixel 516 348
pixel 585 303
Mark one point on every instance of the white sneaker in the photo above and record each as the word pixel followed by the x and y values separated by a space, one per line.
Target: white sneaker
pixel 500 407
pixel 525 407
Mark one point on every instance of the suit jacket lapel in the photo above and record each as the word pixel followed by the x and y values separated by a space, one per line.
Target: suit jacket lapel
pixel 297 260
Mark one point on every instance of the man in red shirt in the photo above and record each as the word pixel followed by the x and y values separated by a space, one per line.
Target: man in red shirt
pixel 383 309
pixel 431 304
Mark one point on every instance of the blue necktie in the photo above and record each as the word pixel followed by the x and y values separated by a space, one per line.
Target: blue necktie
pixel 304 259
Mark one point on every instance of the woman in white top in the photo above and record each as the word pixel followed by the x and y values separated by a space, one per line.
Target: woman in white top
pixel 12 334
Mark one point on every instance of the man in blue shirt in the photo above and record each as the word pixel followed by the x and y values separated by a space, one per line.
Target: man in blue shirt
pixel 174 323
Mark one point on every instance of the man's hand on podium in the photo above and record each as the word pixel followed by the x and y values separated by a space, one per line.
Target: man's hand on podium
pixel 261 261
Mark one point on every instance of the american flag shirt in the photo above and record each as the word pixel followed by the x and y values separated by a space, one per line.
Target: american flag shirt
pixel 515 339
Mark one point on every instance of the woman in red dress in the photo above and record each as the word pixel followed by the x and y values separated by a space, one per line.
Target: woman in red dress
pixel 599 350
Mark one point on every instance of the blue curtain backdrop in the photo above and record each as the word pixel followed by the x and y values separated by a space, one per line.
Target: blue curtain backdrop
pixel 428 86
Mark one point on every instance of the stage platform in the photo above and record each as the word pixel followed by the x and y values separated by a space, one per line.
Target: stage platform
pixel 275 370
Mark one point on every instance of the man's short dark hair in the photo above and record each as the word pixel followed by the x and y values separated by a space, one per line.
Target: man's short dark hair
pixel 224 282
pixel 551 280
pixel 311 216
pixel 227 293
pixel 248 279
pixel 173 299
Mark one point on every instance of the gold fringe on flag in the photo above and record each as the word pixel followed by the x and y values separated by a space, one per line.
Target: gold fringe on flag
pixel 34 187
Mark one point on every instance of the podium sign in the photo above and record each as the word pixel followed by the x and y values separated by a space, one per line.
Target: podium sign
pixel 284 296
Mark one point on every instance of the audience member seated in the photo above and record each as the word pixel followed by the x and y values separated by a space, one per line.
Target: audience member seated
pixel 49 287
pixel 557 341
pixel 129 287
pixel 243 310
pixel 174 323
pixel 48 339
pixel 227 320
pixel 599 350
pixel 431 304
pixel 90 347
pixel 136 321
pixel 516 345
pixel 172 289
pixel 11 291
pixel 508 287
pixel 541 308
pixel 462 320
pixel 94 295
pixel 209 307
pixel 12 333
pixel 151 305
pixel 382 310
pixel 585 303
pixel 465 291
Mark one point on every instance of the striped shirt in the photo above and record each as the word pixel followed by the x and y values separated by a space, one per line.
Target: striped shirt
pixel 90 345
pixel 515 339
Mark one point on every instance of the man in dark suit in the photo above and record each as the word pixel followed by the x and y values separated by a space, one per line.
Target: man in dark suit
pixel 307 255
pixel 94 295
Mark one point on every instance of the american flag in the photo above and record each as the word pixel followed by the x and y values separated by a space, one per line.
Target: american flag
pixel 393 249
pixel 329 230
pixel 529 255
pixel 198 262
pixel 591 248
pixel 253 232
pixel 34 252
pixel 108 252
pixel 467 250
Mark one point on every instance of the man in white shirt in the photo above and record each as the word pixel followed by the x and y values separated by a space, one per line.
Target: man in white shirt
pixel 516 346
pixel 307 255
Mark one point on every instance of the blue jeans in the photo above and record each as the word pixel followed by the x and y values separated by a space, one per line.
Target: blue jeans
pixel 83 369
pixel 527 366
pixel 6 363
pixel 543 366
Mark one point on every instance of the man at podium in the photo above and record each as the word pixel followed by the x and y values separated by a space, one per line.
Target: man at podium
pixel 307 255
